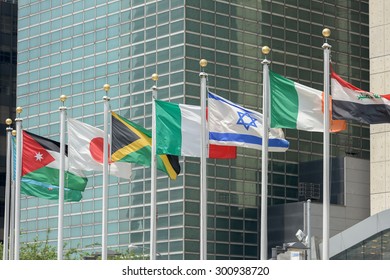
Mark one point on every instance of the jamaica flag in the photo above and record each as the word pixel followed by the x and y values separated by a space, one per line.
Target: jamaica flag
pixel 132 143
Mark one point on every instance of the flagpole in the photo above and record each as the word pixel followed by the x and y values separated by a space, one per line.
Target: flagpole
pixel 7 192
pixel 61 193
pixel 18 174
pixel 264 159
pixel 12 212
pixel 326 187
pixel 106 100
pixel 203 163
pixel 153 176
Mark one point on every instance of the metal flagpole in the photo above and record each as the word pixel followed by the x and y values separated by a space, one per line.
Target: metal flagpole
pixel 18 174
pixel 203 163
pixel 153 177
pixel 7 192
pixel 264 159
pixel 326 187
pixel 12 212
pixel 61 192
pixel 106 100
pixel 308 231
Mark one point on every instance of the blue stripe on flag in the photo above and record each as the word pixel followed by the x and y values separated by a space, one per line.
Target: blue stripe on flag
pixel 250 139
pixel 222 100
pixel 226 123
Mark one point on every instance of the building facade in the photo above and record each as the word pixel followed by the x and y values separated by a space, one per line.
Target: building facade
pixel 379 83
pixel 8 54
pixel 75 47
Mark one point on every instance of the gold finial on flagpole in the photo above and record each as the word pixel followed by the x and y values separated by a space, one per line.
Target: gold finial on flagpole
pixel 8 121
pixel 155 77
pixel 19 110
pixel 203 63
pixel 63 97
pixel 265 50
pixel 106 87
pixel 154 88
pixel 326 32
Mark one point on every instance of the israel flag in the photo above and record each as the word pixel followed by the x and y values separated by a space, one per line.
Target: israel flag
pixel 233 125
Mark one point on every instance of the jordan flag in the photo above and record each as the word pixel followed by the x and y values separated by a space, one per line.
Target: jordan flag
pixel 40 170
pixel 86 150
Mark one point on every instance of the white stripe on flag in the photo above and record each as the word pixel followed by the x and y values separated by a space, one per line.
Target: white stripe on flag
pixel 191 129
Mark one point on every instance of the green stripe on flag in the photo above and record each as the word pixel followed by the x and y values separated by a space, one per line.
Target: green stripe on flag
pixel 35 188
pixel 284 102
pixel 44 182
pixel 168 128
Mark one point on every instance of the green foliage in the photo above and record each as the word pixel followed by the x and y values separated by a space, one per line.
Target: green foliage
pixel 38 250
pixel 117 255
pixel 43 250
pixel 128 255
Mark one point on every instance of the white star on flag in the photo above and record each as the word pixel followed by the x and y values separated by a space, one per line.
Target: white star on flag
pixel 38 156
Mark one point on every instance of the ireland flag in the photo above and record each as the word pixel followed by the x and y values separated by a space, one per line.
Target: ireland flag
pixel 177 129
pixel 40 170
pixel 294 105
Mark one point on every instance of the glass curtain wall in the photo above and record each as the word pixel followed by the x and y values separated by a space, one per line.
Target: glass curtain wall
pixel 75 47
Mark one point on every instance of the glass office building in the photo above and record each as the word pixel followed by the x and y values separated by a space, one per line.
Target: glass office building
pixel 8 50
pixel 75 47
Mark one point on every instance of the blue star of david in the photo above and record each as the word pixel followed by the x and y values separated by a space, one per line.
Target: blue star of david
pixel 246 120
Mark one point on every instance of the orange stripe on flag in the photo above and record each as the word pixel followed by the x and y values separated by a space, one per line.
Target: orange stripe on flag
pixel 334 125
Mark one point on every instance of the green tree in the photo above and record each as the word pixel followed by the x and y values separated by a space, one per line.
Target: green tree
pixel 38 250
pixel 43 250
pixel 1 250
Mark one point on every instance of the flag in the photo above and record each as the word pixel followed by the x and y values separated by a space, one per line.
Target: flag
pixel 178 132
pixel 221 151
pixel 231 124
pixel 334 125
pixel 177 129
pixel 40 170
pixel 352 103
pixel 132 143
pixel 300 107
pixel 294 105
pixel 86 150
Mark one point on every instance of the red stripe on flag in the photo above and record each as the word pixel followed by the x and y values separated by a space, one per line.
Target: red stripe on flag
pixel 386 96
pixel 222 152
pixel 344 83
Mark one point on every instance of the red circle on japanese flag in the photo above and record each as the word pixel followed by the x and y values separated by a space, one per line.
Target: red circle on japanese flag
pixel 96 149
